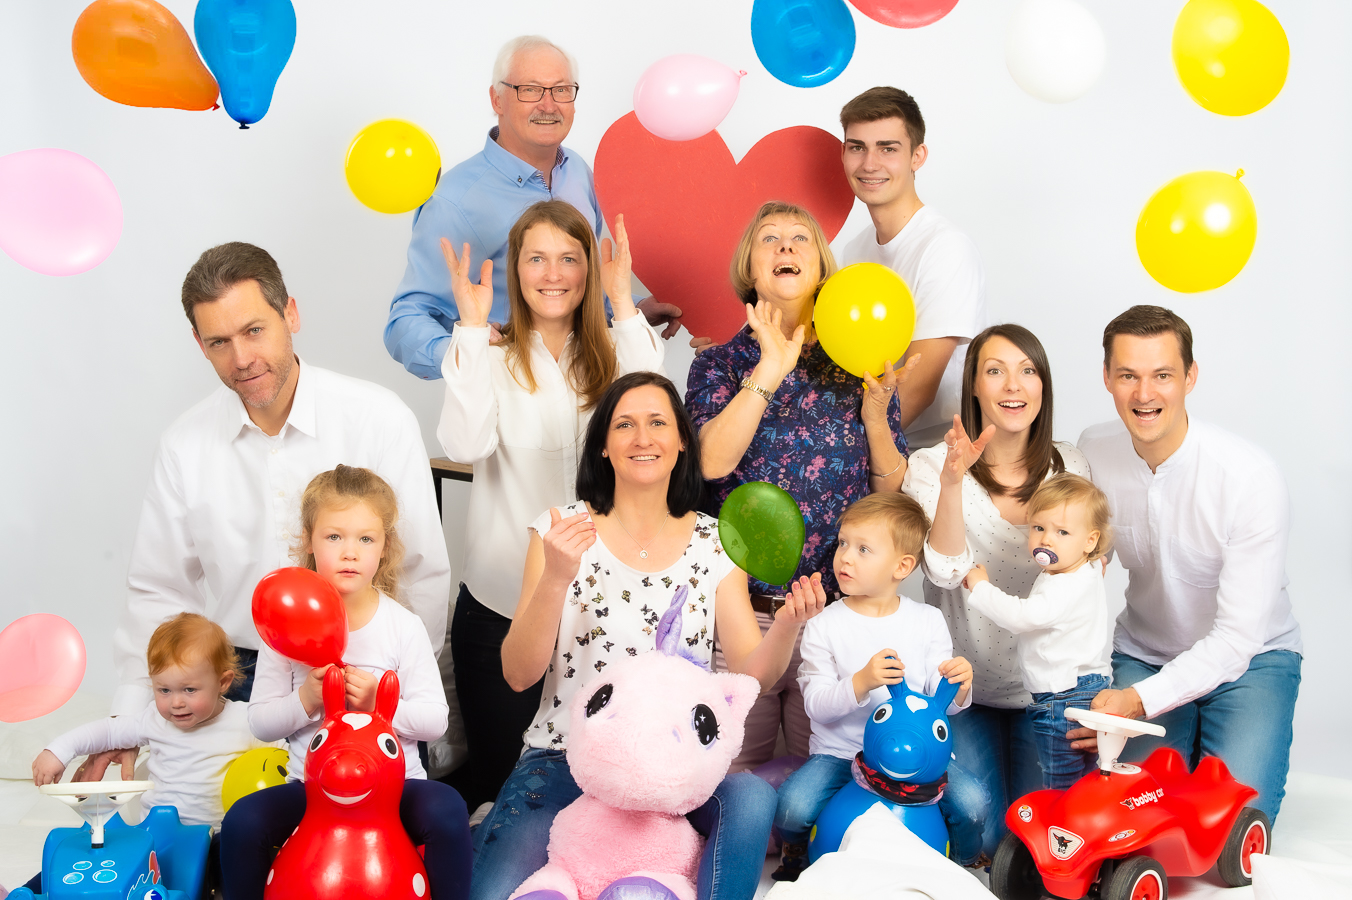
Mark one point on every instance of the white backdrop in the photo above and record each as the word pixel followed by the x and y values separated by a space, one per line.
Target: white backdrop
pixel 96 365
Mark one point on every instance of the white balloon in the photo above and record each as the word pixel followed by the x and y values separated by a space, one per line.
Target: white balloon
pixel 1054 49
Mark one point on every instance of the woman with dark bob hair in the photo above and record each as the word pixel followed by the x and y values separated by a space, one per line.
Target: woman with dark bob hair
pixel 599 574
pixel 976 493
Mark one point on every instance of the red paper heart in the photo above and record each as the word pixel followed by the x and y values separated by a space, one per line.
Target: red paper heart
pixel 686 204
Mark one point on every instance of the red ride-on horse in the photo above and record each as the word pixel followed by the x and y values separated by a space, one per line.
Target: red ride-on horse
pixel 1121 831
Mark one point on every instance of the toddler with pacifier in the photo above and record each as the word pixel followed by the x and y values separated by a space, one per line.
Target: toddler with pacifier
pixel 349 536
pixel 1062 625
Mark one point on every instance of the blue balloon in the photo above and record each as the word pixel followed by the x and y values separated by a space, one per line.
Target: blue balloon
pixel 804 43
pixel 245 44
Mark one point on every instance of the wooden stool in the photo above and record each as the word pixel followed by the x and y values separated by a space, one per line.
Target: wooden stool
pixel 443 468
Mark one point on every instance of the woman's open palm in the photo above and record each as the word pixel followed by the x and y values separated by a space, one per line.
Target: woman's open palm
pixel 775 349
pixel 963 452
pixel 475 301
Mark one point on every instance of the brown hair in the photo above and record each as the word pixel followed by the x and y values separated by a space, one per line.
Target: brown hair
pixel 188 638
pixel 879 103
pixel 1068 488
pixel 1041 455
pixel 222 267
pixel 592 364
pixel 740 269
pixel 1148 321
pixel 340 488
pixel 903 516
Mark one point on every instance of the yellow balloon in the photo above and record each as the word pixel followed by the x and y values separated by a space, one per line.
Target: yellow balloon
pixel 1197 232
pixel 865 317
pixel 393 166
pixel 262 767
pixel 1231 55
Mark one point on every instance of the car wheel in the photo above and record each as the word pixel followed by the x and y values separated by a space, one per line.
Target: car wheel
pixel 1136 878
pixel 1014 875
pixel 1251 834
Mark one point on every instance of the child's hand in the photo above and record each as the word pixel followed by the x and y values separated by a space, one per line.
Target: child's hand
pixel 883 669
pixel 312 691
pixel 47 769
pixel 975 577
pixel 361 689
pixel 958 671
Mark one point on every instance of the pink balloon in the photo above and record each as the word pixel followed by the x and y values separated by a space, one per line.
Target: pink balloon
pixel 683 97
pixel 905 13
pixel 42 661
pixel 59 213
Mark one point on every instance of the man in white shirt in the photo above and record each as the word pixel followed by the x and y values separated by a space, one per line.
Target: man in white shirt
pixel 884 147
pixel 1207 645
pixel 223 506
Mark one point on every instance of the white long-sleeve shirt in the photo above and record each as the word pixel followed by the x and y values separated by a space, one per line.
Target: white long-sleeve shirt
pixel 839 642
pixel 223 509
pixel 187 767
pixel 524 446
pixel 393 639
pixel 1062 626
pixel 999 546
pixel 1203 539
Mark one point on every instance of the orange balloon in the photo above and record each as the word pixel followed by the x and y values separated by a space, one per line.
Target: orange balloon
pixel 135 52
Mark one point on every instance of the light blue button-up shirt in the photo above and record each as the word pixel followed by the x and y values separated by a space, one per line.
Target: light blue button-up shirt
pixel 477 203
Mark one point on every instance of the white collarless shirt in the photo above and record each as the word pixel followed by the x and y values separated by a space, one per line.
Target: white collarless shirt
pixel 999 546
pixel 223 510
pixel 1203 539
pixel 524 446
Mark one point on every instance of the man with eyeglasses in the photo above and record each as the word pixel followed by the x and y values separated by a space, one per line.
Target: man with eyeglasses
pixel 477 202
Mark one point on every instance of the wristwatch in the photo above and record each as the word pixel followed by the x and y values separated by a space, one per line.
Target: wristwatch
pixel 754 388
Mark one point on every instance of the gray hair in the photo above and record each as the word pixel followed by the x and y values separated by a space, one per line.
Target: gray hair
pixel 502 66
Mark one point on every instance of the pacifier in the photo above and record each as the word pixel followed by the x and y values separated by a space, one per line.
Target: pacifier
pixel 1044 556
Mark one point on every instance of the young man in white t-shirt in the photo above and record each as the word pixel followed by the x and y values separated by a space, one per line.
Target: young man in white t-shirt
pixel 884 146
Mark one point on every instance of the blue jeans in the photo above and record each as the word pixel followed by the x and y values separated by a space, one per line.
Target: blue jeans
pixel 510 845
pixel 1246 722
pixel 1062 766
pixel 965 804
pixel 999 749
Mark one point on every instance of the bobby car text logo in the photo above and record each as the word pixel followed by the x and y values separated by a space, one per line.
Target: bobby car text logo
pixel 1143 799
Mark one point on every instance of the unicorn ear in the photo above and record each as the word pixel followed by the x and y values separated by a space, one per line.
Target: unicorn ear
pixel 387 695
pixel 944 693
pixel 740 692
pixel 334 691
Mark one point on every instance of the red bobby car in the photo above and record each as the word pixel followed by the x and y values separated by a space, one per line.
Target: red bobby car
pixel 1118 833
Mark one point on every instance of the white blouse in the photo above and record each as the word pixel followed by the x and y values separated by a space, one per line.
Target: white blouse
pixel 524 446
pixel 999 546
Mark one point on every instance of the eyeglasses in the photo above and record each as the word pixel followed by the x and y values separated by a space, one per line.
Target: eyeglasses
pixel 533 93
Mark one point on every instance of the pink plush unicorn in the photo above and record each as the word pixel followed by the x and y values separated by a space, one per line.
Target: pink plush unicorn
pixel 649 742
pixel 351 844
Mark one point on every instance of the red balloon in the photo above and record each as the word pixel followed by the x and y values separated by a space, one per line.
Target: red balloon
pixel 301 616
pixel 42 661
pixel 905 13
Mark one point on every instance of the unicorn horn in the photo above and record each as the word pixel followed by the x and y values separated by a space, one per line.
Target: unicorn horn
pixel 669 627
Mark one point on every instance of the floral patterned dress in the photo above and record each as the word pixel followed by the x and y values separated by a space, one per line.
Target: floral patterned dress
pixel 810 442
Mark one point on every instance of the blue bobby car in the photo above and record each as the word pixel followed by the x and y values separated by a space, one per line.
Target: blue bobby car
pixel 159 859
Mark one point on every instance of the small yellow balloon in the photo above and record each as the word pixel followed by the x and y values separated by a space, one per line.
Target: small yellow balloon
pixel 393 166
pixel 865 317
pixel 1231 55
pixel 262 767
pixel 1197 232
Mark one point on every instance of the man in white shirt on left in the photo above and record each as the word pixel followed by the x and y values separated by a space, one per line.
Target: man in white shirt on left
pixel 222 507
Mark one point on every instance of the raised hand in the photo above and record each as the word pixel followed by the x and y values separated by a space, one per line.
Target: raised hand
pixel 778 354
pixel 565 542
pixel 878 391
pixel 804 600
pixel 616 266
pixel 475 301
pixel 962 451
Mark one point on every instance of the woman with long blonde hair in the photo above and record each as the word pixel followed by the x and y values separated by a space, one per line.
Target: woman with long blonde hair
pixel 518 410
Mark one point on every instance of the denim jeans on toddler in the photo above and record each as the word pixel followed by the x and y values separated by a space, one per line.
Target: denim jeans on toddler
pixel 804 794
pixel 1062 766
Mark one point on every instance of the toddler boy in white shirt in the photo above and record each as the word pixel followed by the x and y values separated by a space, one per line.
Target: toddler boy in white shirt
pixel 1062 626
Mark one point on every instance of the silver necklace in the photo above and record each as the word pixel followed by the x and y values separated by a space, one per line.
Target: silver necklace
pixel 643 548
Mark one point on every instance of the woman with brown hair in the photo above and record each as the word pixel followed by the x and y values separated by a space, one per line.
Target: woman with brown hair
pixel 976 493
pixel 517 410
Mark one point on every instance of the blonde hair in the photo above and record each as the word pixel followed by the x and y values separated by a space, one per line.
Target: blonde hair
pixel 188 638
pixel 340 489
pixel 1069 489
pixel 903 516
pixel 591 364
pixel 743 282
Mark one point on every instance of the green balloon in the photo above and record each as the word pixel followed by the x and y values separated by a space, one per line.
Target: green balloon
pixel 761 528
